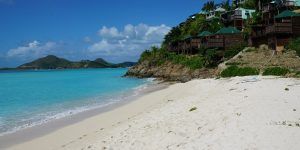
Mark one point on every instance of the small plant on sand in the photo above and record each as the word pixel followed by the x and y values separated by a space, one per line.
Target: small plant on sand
pixel 193 109
pixel 276 71
pixel 287 89
pixel 237 71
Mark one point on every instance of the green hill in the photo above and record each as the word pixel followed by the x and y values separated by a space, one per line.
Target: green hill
pixel 53 62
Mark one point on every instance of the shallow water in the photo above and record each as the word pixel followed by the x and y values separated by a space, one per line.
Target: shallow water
pixel 29 98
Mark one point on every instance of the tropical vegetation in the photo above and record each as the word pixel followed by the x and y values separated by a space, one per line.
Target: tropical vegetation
pixel 276 71
pixel 239 71
pixel 198 23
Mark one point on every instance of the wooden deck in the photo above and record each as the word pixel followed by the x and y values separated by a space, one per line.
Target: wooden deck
pixel 224 41
pixel 280 28
pixel 289 3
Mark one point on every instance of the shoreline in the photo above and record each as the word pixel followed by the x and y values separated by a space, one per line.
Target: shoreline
pixel 252 112
pixel 40 130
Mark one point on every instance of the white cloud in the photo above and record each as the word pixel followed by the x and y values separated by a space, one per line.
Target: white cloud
pixel 129 42
pixel 109 32
pixel 32 49
pixel 114 45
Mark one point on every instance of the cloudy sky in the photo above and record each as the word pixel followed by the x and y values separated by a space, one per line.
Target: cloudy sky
pixel 116 30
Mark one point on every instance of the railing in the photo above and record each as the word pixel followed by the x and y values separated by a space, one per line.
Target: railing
pixel 289 3
pixel 267 8
pixel 215 42
pixel 258 34
pixel 234 17
pixel 280 28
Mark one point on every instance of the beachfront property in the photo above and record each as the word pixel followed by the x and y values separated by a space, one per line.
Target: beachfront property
pixel 237 17
pixel 215 14
pixel 280 22
pixel 223 39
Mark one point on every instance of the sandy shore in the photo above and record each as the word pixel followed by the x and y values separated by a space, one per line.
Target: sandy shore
pixel 238 113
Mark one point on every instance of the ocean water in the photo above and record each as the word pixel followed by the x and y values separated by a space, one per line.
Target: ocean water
pixel 29 98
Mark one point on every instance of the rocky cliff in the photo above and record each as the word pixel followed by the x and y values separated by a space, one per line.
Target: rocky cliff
pixel 168 71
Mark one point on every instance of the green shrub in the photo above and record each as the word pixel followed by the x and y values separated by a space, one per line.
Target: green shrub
pixel 212 57
pixel 234 50
pixel 158 56
pixel 276 71
pixel 193 62
pixel 295 45
pixel 297 74
pixel 236 71
pixel 233 63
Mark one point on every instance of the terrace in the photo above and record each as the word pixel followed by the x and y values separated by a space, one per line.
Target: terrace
pixel 286 22
pixel 289 3
pixel 280 28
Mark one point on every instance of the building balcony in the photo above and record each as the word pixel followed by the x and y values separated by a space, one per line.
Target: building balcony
pixel 258 34
pixel 236 17
pixel 215 42
pixel 289 3
pixel 267 8
pixel 279 28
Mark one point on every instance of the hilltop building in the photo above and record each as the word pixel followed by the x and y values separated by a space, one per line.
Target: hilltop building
pixel 237 17
pixel 279 23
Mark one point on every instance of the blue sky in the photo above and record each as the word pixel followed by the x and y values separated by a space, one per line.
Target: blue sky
pixel 116 30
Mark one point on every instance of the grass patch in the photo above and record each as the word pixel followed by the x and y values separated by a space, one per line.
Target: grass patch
pixel 276 71
pixel 233 63
pixel 233 71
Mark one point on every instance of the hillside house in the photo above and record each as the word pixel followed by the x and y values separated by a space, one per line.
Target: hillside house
pixel 279 24
pixel 225 38
pixel 237 17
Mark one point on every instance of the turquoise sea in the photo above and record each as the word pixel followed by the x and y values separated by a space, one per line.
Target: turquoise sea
pixel 29 98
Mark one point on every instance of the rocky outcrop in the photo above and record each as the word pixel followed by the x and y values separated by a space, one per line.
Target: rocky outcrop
pixel 168 72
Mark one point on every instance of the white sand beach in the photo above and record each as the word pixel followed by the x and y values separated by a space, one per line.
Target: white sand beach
pixel 249 113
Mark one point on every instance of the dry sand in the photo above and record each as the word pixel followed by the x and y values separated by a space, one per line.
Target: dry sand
pixel 233 114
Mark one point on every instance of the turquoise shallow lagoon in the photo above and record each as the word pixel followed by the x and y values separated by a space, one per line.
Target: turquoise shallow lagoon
pixel 29 98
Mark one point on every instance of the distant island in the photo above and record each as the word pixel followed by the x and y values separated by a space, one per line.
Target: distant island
pixel 54 62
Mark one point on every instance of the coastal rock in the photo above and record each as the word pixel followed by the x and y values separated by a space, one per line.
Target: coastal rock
pixel 168 71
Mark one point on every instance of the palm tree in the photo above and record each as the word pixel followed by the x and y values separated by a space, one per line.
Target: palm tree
pixel 209 6
pixel 226 5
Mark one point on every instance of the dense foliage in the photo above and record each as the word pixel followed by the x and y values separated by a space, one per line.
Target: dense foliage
pixel 192 27
pixel 158 56
pixel 249 4
pixel 237 71
pixel 276 71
